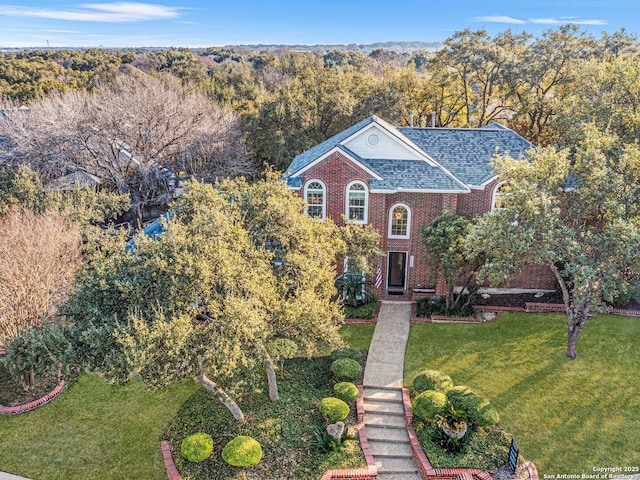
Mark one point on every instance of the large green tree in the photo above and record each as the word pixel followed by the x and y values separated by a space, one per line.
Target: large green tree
pixel 576 211
pixel 234 268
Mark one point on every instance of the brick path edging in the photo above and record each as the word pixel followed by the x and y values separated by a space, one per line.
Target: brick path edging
pixel 27 407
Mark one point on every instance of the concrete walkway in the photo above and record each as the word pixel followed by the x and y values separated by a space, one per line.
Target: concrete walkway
pixel 8 476
pixel 384 412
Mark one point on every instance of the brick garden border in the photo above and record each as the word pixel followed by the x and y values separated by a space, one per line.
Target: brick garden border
pixel 442 318
pixel 365 321
pixel 27 407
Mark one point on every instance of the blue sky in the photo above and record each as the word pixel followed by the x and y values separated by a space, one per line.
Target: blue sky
pixel 215 23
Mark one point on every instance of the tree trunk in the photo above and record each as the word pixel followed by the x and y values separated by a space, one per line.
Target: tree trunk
pixel 271 377
pixel 28 379
pixel 576 321
pixel 222 395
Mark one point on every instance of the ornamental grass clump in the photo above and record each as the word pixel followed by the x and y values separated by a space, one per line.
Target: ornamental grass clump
pixel 346 391
pixel 197 447
pixel 346 369
pixel 432 380
pixel 242 451
pixel 334 409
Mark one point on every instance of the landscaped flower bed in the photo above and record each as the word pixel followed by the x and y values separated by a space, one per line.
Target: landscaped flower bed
pixel 284 429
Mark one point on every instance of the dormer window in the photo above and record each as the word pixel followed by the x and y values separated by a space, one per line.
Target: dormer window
pixel 315 197
pixel 357 200
pixel 399 221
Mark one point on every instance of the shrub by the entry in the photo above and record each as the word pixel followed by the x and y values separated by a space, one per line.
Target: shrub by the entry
pixel 346 391
pixel 346 369
pixel 428 404
pixel 334 409
pixel 432 380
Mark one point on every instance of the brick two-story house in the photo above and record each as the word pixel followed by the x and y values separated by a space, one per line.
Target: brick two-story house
pixel 398 179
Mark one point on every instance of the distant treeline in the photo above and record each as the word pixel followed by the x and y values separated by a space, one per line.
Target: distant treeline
pixel 289 100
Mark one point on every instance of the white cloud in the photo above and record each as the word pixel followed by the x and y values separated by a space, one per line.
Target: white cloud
pixel 97 12
pixel 499 19
pixel 563 20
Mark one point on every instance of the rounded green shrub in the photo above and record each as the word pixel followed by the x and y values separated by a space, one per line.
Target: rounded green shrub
pixel 478 409
pixel 346 391
pixel 197 447
pixel 488 416
pixel 428 404
pixel 242 451
pixel 346 369
pixel 432 380
pixel 347 352
pixel 334 409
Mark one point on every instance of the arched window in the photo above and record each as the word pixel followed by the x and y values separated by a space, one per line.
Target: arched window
pixel 500 192
pixel 357 199
pixel 315 197
pixel 399 221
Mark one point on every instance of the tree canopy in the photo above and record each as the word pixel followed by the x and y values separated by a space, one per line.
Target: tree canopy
pixel 576 211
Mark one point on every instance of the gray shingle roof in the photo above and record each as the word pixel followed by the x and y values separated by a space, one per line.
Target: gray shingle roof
pixel 468 152
pixel 308 156
pixel 465 153
pixel 411 175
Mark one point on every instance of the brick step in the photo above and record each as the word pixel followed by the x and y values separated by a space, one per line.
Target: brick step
pixel 388 434
pixel 396 408
pixel 396 466
pixel 382 449
pixel 384 420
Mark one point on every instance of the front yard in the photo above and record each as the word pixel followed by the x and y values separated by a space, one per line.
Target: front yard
pixel 567 416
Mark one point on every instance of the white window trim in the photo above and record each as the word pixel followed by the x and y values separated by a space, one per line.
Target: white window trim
pixel 390 222
pixel 494 194
pixel 324 197
pixel 366 202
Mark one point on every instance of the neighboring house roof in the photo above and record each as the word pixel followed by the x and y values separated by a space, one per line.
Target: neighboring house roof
pixel 78 179
pixel 454 158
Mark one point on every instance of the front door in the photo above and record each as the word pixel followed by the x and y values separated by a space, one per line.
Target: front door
pixel 397 270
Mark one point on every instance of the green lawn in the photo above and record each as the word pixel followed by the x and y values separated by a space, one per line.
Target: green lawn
pixel 100 431
pixel 566 416
pixel 93 431
pixel 357 336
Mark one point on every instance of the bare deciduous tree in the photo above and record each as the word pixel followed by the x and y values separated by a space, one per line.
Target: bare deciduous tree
pixel 39 255
pixel 131 133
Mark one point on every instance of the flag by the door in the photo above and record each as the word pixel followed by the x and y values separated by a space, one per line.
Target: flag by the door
pixel 379 273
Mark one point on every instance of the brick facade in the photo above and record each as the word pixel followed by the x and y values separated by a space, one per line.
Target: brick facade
pixel 336 171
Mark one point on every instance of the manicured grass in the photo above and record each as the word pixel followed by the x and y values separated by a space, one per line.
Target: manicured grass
pixel 357 336
pixel 284 428
pixel 567 416
pixel 93 431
